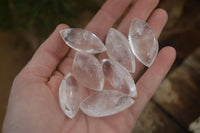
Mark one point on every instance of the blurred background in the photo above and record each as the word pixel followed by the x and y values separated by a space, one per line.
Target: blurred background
pixel 25 24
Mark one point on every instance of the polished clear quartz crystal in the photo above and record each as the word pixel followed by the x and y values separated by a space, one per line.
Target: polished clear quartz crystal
pixel 105 103
pixel 118 77
pixel 143 42
pixel 82 40
pixel 69 95
pixel 88 71
pixel 118 49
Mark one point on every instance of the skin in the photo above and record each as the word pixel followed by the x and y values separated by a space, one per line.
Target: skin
pixel 33 103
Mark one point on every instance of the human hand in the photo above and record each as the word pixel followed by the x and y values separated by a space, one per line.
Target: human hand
pixel 33 104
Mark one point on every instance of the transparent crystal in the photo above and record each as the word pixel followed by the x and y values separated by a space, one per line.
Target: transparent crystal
pixel 69 96
pixel 143 42
pixel 118 49
pixel 105 103
pixel 118 77
pixel 88 71
pixel 82 40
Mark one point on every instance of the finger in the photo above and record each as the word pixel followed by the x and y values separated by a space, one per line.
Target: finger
pixel 141 9
pixel 107 16
pixel 157 21
pixel 49 55
pixel 151 79
pixel 99 25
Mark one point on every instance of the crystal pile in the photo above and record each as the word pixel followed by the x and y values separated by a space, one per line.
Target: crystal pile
pixel 89 73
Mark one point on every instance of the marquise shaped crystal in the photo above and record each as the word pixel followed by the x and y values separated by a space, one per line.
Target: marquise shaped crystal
pixel 143 42
pixel 88 71
pixel 118 49
pixel 105 103
pixel 118 77
pixel 70 96
pixel 82 40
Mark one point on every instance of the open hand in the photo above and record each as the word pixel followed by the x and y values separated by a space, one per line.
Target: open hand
pixel 33 104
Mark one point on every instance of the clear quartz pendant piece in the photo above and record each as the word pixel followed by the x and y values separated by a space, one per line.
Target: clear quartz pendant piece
pixel 118 77
pixel 88 71
pixel 82 40
pixel 105 103
pixel 118 49
pixel 70 96
pixel 143 42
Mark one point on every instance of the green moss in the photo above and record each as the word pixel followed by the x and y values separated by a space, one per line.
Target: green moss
pixel 41 16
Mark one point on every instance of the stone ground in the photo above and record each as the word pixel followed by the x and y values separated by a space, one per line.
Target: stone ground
pixel 175 104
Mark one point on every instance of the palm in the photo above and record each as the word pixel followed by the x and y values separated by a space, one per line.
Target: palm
pixel 33 104
pixel 42 102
